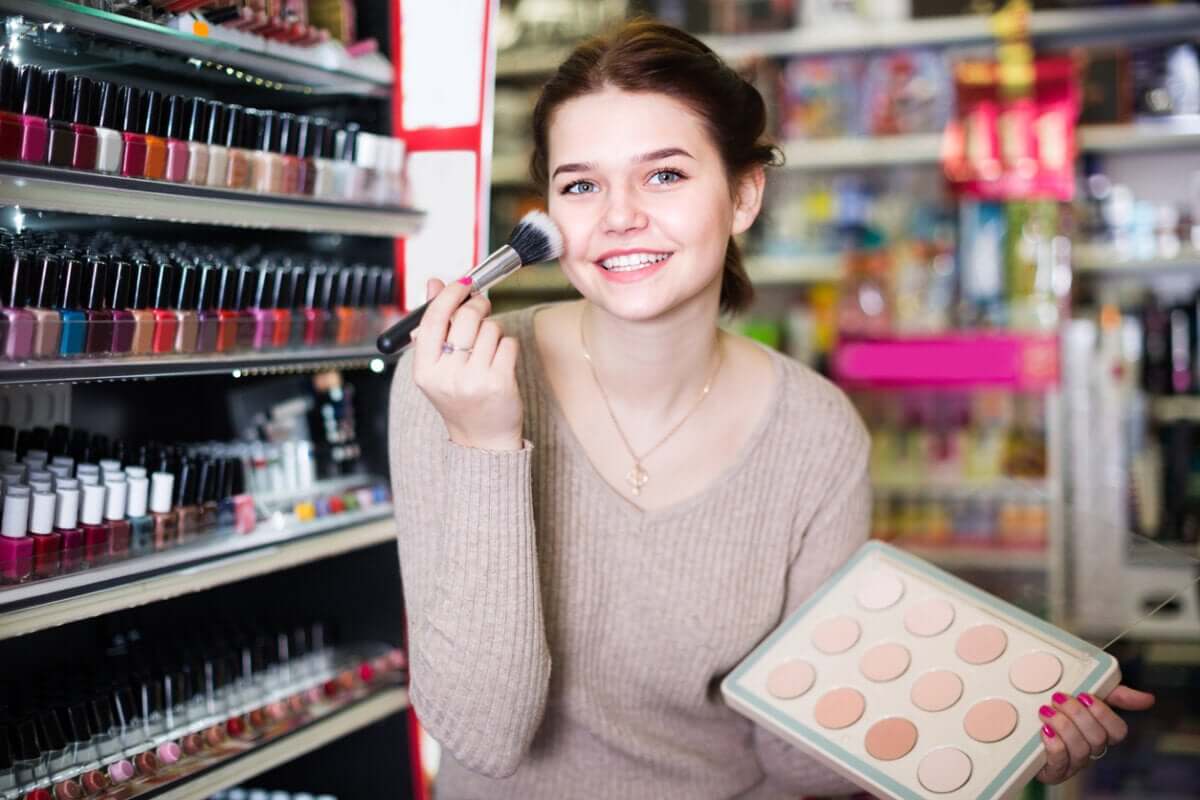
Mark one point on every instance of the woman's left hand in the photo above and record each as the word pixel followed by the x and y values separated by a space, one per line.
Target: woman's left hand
pixel 1077 730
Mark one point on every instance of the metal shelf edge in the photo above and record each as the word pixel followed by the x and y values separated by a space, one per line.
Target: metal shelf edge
pixel 233 567
pixel 362 714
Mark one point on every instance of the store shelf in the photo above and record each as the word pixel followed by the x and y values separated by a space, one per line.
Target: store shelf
pixel 1105 261
pixel 1079 26
pixel 1139 137
pixel 961 488
pixel 961 557
pixel 378 706
pixel 44 188
pixel 955 360
pixel 147 579
pixel 322 70
pixel 75 370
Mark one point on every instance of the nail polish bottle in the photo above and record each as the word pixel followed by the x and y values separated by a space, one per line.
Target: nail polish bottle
pixel 368 321
pixel 237 175
pixel 218 156
pixel 188 327
pixel 166 322
pixel 110 146
pixel 59 758
pixel 316 317
pixel 208 494
pixel 267 169
pixel 133 156
pixel 87 474
pixel 16 548
pixel 366 158
pixel 95 302
pixel 11 130
pixel 263 309
pixel 28 766
pixel 47 542
pixel 227 315
pixel 345 312
pixel 281 294
pixel 177 147
pixel 197 125
pixel 346 173
pixel 19 342
pixel 60 139
pixel 207 316
pixel 166 520
pixel 47 322
pixel 141 524
pixel 95 529
pixel 66 523
pixel 139 309
pixel 124 323
pixel 84 116
pixel 186 505
pixel 295 304
pixel 306 174
pixel 154 128
pixel 33 121
pixel 6 260
pixel 389 305
pixel 70 307
pixel 119 531
pixel 321 141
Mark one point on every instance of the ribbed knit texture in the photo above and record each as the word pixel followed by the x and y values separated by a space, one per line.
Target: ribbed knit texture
pixel 565 644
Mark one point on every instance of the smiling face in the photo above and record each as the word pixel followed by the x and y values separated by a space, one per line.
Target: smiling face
pixel 641 196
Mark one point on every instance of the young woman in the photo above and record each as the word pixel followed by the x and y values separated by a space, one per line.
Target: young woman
pixel 604 505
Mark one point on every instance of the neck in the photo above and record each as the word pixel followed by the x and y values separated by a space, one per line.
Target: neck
pixel 652 371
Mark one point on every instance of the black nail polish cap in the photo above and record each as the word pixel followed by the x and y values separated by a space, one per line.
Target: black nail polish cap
pixel 207 483
pixel 387 291
pixel 163 285
pixel 70 278
pixel 21 275
pixel 81 100
pixel 251 121
pixel 247 284
pixel 216 123
pixel 143 274
pixel 344 292
pixel 105 94
pixel 320 139
pixel 95 284
pixel 10 96
pixel 370 290
pixel 234 115
pixel 185 296
pixel 121 285
pixel 45 283
pixel 176 114
pixel 288 128
pixel 129 99
pixel 206 295
pixel 197 119
pixel 185 484
pixel 299 287
pixel 268 132
pixel 281 288
pixel 305 137
pixel 60 100
pixel 347 141
pixel 227 289
pixel 312 287
pixel 152 113
pixel 264 286
pixel 29 81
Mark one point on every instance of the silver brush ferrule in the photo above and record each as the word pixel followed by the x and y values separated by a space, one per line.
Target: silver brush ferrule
pixel 495 268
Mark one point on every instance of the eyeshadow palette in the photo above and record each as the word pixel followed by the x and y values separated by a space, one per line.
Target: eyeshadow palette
pixel 913 683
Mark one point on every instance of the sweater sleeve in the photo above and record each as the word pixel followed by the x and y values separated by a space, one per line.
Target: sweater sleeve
pixel 839 527
pixel 479 662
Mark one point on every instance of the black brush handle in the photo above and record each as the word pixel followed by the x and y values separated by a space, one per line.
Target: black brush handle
pixel 399 336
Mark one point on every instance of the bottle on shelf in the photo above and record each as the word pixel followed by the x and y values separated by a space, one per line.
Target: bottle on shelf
pixel 110 145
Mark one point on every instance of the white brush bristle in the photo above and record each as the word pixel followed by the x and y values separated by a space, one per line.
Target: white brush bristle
pixel 536 238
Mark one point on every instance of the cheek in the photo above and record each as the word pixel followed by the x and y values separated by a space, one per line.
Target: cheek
pixel 576 224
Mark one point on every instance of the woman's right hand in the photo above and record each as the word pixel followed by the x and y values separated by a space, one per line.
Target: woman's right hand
pixel 476 393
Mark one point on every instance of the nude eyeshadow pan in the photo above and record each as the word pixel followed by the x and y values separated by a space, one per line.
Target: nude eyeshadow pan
pixel 913 683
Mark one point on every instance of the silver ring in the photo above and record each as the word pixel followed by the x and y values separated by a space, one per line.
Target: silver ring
pixel 448 348
pixel 1103 753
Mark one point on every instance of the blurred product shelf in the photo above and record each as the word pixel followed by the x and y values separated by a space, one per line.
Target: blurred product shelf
pixel 963 557
pixel 1101 259
pixel 964 488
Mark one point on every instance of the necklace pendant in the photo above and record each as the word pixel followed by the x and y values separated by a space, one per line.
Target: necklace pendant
pixel 637 478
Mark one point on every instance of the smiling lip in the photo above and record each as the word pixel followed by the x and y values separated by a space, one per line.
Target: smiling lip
pixel 636 275
pixel 629 252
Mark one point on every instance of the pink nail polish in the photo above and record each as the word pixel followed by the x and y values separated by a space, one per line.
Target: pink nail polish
pixel 1046 711
pixel 1086 699
pixel 1059 697
pixel 465 280
pixel 1046 729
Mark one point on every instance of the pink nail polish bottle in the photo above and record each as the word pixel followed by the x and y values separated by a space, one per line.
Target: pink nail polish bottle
pixel 263 310
pixel 66 523
pixel 34 133
pixel 47 543
pixel 177 148
pixel 11 130
pixel 197 124
pixel 16 548
pixel 19 343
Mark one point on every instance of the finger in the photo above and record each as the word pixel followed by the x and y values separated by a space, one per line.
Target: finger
pixel 464 325
pixel 1078 748
pixel 1058 761
pixel 427 348
pixel 1128 699
pixel 1089 727
pixel 1113 725
pixel 436 322
pixel 485 344
pixel 505 361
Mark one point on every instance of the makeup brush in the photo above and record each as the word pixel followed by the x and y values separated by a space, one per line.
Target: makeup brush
pixel 535 239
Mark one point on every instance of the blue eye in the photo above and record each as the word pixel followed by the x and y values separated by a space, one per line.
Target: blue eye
pixel 674 175
pixel 579 187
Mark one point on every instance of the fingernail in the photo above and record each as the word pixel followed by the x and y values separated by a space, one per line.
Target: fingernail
pixel 465 280
pixel 1059 698
pixel 1085 698
pixel 1046 711
pixel 1046 729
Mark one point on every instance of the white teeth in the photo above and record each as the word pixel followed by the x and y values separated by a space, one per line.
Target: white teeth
pixel 633 261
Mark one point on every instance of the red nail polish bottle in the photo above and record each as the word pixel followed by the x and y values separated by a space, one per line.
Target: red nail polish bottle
pixel 389 308
pixel 95 529
pixel 344 312
pixel 166 323
pixel 119 530
pixel 263 309
pixel 66 524
pixel 316 316
pixel 11 130
pixel 47 544
pixel 227 314
pixel 133 159
pixel 281 295
pixel 124 324
pixel 84 117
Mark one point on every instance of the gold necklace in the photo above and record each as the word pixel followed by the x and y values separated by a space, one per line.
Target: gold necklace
pixel 637 477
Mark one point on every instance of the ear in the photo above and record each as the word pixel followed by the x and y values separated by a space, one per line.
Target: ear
pixel 747 198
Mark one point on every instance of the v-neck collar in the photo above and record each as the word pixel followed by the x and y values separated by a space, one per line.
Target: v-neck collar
pixel 527 333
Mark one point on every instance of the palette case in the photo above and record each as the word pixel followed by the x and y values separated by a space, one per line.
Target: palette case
pixel 915 628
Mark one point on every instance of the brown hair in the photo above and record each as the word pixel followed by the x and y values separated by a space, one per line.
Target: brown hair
pixel 647 56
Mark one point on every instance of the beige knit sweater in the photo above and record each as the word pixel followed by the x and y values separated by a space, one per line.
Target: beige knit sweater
pixel 564 644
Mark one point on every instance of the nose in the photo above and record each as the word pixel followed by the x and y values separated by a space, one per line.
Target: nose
pixel 622 213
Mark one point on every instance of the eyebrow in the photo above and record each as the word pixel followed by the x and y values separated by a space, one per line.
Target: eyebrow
pixel 655 155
